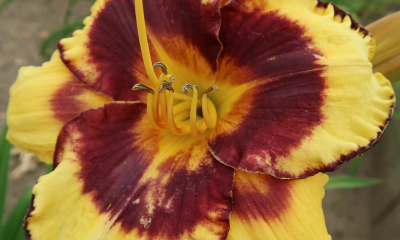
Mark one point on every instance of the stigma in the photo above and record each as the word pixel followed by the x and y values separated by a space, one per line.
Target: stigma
pixel 180 113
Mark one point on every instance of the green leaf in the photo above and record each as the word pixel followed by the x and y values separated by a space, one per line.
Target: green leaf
pixel 396 115
pixel 13 227
pixel 5 148
pixel 49 168
pixel 355 164
pixel 344 182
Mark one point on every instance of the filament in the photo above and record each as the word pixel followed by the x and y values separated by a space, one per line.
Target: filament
pixel 182 118
pixel 150 112
pixel 194 130
pixel 163 106
pixel 155 107
pixel 171 122
pixel 209 112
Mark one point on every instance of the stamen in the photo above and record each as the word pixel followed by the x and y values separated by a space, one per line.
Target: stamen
pixel 215 88
pixel 167 85
pixel 184 98
pixel 149 104
pixel 163 106
pixel 156 114
pixel 162 66
pixel 144 45
pixel 163 98
pixel 181 116
pixel 193 112
pixel 169 112
pixel 181 107
pixel 171 122
pixel 210 117
pixel 143 87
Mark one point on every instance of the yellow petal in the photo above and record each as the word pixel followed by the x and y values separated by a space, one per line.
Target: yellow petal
pixel 297 92
pixel 41 101
pixel 116 177
pixel 386 31
pixel 267 208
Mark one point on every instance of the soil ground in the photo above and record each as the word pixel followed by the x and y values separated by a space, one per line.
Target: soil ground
pixel 363 214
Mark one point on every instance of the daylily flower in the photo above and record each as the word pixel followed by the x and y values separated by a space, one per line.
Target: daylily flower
pixel 386 31
pixel 297 97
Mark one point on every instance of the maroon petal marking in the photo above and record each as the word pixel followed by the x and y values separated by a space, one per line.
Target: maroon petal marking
pixel 197 22
pixel 259 45
pixel 113 48
pixel 295 116
pixel 114 51
pixel 65 103
pixel 116 149
pixel 265 207
pixel 282 111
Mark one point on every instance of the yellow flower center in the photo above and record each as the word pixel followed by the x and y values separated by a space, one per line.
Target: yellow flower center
pixel 188 114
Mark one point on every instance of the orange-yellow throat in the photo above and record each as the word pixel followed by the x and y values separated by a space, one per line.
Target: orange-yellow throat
pixel 167 109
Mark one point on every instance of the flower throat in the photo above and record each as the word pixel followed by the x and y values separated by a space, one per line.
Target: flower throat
pixel 181 118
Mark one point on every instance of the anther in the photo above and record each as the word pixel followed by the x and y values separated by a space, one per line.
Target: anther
pixel 142 87
pixel 185 87
pixel 215 88
pixel 162 66
pixel 167 85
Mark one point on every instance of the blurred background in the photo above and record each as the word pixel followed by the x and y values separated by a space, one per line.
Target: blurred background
pixel 368 209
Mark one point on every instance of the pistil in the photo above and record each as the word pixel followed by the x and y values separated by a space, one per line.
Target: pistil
pixel 144 45
pixel 161 111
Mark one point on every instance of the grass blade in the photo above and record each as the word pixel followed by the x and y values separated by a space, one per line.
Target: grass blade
pixel 396 115
pixel 5 148
pixel 344 182
pixel 49 168
pixel 13 227
pixel 355 164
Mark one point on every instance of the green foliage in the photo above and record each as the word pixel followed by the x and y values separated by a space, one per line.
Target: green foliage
pixel 367 11
pixel 351 181
pixel 5 148
pixel 12 229
pixel 343 182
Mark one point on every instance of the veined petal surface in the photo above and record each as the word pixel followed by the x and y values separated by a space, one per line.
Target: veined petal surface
pixel 106 54
pixel 118 178
pixel 41 101
pixel 268 208
pixel 299 93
